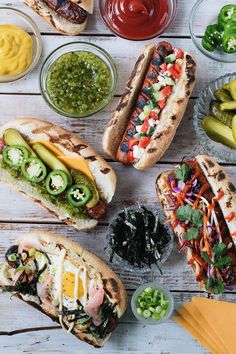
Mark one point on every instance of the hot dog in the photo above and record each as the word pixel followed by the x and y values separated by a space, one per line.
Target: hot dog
pixel 145 121
pixel 199 200
pixel 67 16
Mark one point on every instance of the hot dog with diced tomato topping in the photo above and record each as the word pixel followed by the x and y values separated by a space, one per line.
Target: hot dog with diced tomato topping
pixel 149 112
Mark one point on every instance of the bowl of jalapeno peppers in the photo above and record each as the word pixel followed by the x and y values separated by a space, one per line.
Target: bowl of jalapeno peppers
pixel 213 29
pixel 215 118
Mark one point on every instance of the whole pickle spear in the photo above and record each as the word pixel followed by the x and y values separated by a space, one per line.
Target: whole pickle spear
pixel 224 117
pixel 51 160
pixel 13 137
pixel 218 131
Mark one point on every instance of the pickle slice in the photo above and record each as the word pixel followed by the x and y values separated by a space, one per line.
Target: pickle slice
pixel 234 127
pixel 218 131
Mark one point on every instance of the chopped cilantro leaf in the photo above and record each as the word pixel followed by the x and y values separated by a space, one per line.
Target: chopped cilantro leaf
pixel 182 173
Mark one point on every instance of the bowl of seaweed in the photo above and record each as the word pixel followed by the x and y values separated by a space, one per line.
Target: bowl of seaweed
pixel 139 240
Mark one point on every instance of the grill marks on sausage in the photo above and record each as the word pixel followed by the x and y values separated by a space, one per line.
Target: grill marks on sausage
pixel 68 10
pixel 224 230
pixel 231 187
pixel 105 171
pixel 190 69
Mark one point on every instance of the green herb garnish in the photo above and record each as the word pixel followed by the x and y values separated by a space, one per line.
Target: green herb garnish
pixel 186 213
pixel 215 285
pixel 221 260
pixel 191 234
pixel 182 173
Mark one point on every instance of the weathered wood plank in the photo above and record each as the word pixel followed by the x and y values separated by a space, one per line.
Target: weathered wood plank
pixel 95 23
pixel 125 54
pixel 177 275
pixel 130 190
pixel 92 128
pixel 130 335
pixel 18 316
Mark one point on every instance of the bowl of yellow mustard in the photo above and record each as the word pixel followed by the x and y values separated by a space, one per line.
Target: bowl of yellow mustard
pixel 20 44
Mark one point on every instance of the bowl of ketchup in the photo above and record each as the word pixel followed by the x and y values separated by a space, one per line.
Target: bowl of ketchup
pixel 138 19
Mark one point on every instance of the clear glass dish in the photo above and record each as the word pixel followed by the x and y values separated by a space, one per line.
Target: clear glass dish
pixel 201 109
pixel 119 261
pixel 10 16
pixel 168 296
pixel 77 47
pixel 204 13
pixel 172 6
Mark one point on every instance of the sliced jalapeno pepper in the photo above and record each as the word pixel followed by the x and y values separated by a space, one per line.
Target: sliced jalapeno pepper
pixel 14 155
pixel 56 182
pixel 214 33
pixel 229 41
pixel 208 45
pixel 34 169
pixel 79 195
pixel 226 14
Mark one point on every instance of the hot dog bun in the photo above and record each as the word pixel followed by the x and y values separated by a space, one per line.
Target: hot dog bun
pixel 58 22
pixel 219 181
pixel 52 244
pixel 170 116
pixel 70 145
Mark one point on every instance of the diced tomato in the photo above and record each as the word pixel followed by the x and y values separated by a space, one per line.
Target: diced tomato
pixel 154 115
pixel 131 157
pixel 144 141
pixel 179 53
pixel 173 73
pixel 162 103
pixel 166 91
pixel 145 127
pixel 132 142
pixel 177 68
pixel 163 67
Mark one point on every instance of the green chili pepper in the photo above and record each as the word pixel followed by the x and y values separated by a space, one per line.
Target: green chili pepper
pixel 214 32
pixel 34 169
pixel 210 46
pixel 56 182
pixel 79 195
pixel 226 14
pixel 229 41
pixel 14 155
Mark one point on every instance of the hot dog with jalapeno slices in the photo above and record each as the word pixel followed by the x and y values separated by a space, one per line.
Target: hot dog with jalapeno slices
pixel 149 112
pixel 199 200
pixel 57 170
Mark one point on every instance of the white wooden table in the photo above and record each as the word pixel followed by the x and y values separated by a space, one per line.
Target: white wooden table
pixel 23 329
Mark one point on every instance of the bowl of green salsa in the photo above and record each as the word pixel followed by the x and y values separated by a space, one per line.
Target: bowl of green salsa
pixel 78 79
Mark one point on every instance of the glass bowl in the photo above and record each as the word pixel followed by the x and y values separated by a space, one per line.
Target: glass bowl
pixel 204 13
pixel 119 261
pixel 18 18
pixel 168 296
pixel 172 8
pixel 201 109
pixel 77 47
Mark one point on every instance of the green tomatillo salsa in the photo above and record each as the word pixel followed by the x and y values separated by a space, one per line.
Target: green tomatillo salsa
pixel 78 82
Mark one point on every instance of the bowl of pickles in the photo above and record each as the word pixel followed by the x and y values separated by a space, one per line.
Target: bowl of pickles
pixel 215 118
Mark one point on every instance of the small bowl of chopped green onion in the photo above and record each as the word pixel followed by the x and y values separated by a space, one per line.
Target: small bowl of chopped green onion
pixel 152 304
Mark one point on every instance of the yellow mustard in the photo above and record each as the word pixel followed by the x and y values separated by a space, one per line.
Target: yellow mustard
pixel 16 50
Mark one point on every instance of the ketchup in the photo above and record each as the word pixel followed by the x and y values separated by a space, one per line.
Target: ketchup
pixel 137 19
